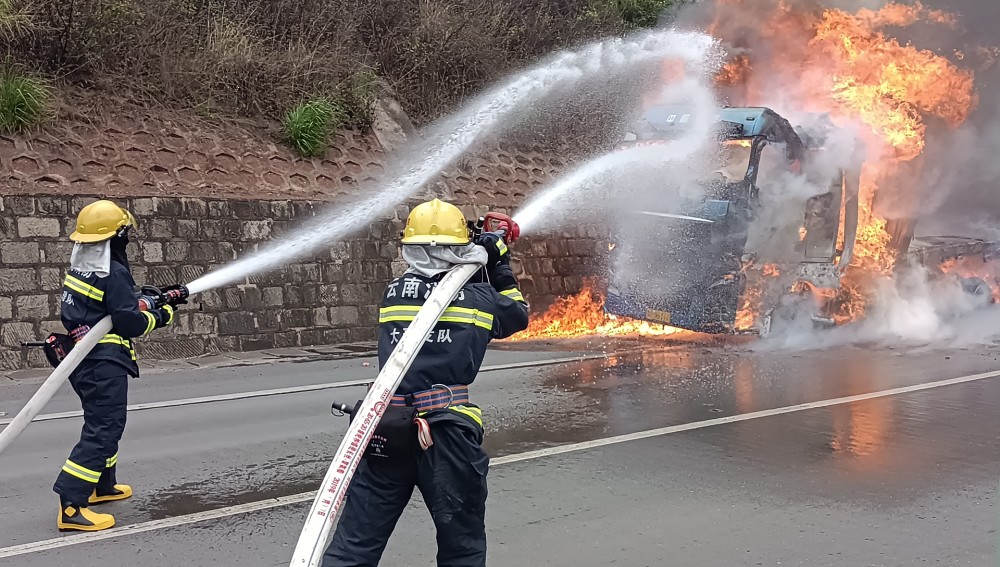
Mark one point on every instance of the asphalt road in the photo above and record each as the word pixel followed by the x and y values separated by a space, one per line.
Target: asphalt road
pixel 676 454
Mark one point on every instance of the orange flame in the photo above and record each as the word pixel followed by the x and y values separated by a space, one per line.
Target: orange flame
pixel 583 315
pixel 752 301
pixel 843 64
pixel 750 307
pixel 975 268
pixel 834 62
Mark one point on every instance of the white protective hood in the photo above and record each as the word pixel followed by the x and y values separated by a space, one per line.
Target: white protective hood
pixel 95 257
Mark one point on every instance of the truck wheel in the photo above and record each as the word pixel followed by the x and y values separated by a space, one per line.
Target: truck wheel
pixel 765 324
pixel 789 310
pixel 978 288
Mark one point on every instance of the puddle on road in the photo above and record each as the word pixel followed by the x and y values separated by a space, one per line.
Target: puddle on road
pixel 283 476
pixel 669 386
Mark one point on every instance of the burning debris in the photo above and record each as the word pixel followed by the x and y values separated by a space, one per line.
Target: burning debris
pixel 973 269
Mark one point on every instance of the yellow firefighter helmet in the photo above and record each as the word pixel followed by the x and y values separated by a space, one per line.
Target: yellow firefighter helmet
pixel 100 221
pixel 436 223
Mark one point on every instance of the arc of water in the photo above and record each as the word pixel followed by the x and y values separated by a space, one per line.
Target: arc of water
pixel 451 137
pixel 551 202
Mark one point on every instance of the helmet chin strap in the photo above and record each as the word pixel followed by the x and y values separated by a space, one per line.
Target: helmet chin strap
pixel 118 246
pixel 123 233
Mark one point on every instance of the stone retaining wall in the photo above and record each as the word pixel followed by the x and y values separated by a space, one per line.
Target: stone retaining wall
pixel 330 298
pixel 230 190
pixel 327 299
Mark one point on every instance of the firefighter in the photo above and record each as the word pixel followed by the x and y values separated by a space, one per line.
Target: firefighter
pixel 99 283
pixel 430 436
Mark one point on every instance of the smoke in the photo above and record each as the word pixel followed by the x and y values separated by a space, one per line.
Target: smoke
pixel 784 196
pixel 950 188
pixel 916 308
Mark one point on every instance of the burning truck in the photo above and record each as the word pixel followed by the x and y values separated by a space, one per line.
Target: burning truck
pixel 738 259
pixel 746 252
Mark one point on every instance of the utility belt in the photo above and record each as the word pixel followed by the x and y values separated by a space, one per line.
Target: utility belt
pixel 57 346
pixel 403 431
pixel 438 397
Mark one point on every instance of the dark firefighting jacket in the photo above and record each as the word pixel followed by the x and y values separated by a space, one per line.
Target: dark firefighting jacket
pixel 87 298
pixel 455 348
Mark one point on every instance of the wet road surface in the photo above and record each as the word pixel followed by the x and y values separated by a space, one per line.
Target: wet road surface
pixel 902 479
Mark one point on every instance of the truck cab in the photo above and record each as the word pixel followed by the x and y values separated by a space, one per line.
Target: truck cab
pixel 686 262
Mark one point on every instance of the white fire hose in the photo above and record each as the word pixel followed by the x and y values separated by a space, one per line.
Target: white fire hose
pixel 53 382
pixel 319 523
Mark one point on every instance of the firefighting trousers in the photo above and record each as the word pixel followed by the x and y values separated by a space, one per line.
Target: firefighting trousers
pixel 451 476
pixel 103 390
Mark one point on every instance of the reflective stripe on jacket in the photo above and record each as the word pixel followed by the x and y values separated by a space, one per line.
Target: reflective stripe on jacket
pixel 455 348
pixel 87 298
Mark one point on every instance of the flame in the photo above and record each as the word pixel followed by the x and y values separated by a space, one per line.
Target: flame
pixel 752 300
pixel 890 87
pixel 843 64
pixel 750 307
pixel 975 268
pixel 900 16
pixel 583 315
pixel 734 72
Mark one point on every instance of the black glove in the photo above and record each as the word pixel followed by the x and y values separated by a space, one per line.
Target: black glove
pixel 495 248
pixel 166 314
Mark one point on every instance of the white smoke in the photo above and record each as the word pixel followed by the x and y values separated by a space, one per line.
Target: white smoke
pixel 915 308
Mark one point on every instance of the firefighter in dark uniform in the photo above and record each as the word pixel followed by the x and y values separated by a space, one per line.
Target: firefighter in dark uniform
pixel 99 283
pixel 447 462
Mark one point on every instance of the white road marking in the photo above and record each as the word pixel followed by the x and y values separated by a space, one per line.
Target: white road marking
pixel 307 388
pixel 55 543
pixel 143 527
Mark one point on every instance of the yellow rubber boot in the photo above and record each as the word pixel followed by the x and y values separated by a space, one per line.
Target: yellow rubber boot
pixel 121 492
pixel 83 519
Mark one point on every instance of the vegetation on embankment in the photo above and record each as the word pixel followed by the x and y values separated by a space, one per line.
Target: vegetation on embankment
pixel 264 58
pixel 23 100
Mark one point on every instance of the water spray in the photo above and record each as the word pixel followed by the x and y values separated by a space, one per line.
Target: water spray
pixel 451 137
pixel 583 177
pixel 448 139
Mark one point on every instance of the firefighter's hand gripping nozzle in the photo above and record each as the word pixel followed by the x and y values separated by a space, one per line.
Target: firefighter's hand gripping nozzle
pixel 58 345
pixel 505 227
pixel 153 297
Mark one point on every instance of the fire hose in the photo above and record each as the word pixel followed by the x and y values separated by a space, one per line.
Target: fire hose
pixel 66 360
pixel 319 522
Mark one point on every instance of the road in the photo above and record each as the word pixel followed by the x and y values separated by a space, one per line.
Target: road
pixel 647 453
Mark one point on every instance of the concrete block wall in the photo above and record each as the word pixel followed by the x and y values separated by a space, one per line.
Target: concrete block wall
pixel 232 190
pixel 329 298
pixel 326 299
